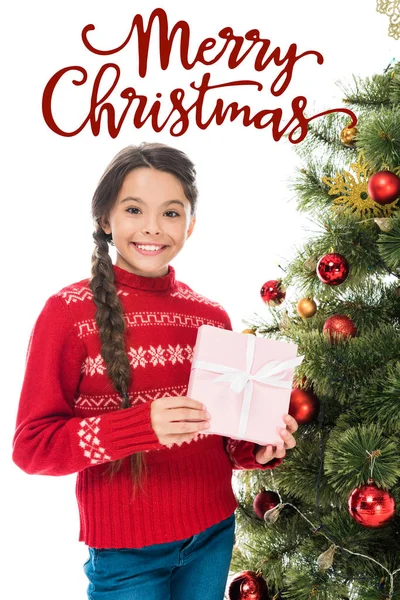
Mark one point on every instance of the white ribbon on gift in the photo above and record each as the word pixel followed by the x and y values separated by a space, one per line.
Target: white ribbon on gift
pixel 272 373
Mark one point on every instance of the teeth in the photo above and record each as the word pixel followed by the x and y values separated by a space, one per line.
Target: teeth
pixel 148 247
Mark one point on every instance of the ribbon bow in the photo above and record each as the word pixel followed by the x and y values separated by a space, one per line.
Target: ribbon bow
pixel 272 373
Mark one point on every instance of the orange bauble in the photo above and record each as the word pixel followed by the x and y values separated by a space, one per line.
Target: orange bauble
pixel 306 308
pixel 304 405
pixel 348 136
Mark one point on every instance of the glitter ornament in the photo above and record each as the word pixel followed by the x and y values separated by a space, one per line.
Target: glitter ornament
pixel 264 501
pixel 272 292
pixel 332 269
pixel 341 326
pixel 348 136
pixel 384 187
pixel 351 194
pixel 390 8
pixel 304 405
pixel 370 506
pixel 306 308
pixel 248 585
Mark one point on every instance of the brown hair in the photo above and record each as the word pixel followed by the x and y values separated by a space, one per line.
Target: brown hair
pixel 109 314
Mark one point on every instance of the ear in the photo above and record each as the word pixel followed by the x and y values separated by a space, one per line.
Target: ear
pixel 191 227
pixel 104 224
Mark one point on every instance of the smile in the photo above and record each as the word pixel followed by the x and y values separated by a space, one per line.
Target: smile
pixel 148 248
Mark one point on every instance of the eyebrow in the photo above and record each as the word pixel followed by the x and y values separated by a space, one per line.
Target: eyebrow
pixel 166 203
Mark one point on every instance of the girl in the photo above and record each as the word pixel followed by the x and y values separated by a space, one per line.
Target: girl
pixel 155 497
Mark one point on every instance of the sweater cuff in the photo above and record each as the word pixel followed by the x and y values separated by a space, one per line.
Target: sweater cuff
pixel 129 430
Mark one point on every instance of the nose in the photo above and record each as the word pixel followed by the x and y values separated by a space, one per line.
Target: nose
pixel 151 226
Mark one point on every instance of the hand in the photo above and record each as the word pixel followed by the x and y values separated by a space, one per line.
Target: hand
pixel 267 453
pixel 177 419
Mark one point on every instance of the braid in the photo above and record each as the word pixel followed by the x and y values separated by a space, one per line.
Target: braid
pixel 109 314
pixel 111 325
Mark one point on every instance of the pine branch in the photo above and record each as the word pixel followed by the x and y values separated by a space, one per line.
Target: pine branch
pixel 394 86
pixel 379 138
pixel 311 192
pixel 370 91
pixel 347 464
pixel 344 235
pixel 389 246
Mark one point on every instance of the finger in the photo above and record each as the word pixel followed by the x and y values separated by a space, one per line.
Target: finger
pixel 291 423
pixel 265 454
pixel 288 439
pixel 187 427
pixel 280 451
pixel 269 452
pixel 188 414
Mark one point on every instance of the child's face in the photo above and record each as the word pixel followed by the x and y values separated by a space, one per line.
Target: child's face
pixel 141 215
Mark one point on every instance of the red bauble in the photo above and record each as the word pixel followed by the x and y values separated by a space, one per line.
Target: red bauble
pixel 250 590
pixel 264 501
pixel 332 269
pixel 371 507
pixel 248 585
pixel 384 187
pixel 272 292
pixel 304 405
pixel 341 325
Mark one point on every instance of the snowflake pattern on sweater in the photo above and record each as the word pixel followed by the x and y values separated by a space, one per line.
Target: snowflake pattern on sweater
pixel 89 434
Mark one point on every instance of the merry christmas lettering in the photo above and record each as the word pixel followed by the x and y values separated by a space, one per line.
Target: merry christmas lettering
pixel 209 52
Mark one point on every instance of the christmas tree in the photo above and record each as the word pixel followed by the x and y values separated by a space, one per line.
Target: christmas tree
pixel 323 524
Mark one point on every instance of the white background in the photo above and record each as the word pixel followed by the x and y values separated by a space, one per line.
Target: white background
pixel 246 219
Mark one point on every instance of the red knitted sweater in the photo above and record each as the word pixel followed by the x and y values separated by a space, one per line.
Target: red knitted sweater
pixel 69 419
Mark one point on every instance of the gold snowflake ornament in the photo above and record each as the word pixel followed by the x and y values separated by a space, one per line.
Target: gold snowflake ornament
pixel 391 8
pixel 352 192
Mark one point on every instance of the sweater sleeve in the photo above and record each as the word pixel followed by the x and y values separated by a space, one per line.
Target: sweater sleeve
pixel 48 438
pixel 241 452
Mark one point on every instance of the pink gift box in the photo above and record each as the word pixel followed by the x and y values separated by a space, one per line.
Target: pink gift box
pixel 244 381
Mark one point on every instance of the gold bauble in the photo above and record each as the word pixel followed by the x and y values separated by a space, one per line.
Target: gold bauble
pixel 306 308
pixel 348 135
pixel 249 331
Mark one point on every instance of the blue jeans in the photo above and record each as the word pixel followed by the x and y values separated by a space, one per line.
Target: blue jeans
pixel 196 568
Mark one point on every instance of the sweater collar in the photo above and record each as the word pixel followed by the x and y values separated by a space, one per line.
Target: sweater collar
pixel 164 282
